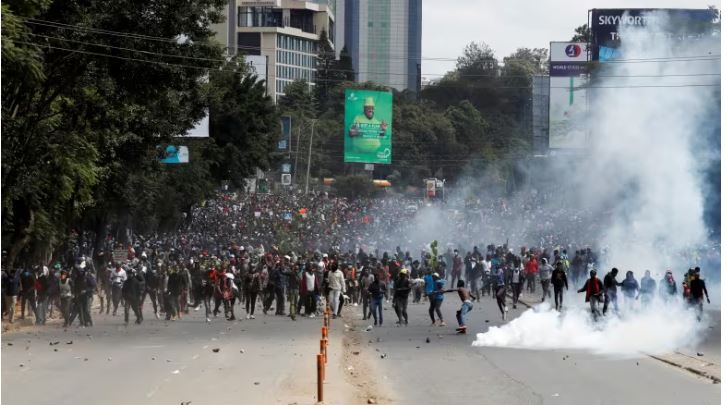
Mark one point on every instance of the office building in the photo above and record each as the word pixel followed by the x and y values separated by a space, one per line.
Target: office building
pixel 282 35
pixel 384 38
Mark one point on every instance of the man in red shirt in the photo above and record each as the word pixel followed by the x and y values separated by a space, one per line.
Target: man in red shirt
pixel 531 269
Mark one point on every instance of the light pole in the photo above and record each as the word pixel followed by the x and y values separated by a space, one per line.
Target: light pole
pixel 310 149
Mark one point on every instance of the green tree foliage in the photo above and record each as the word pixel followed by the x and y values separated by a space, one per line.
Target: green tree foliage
pixel 83 110
pixel 582 34
pixel 244 126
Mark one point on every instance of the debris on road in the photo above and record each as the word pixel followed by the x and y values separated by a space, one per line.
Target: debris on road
pixel 700 354
pixel 371 401
pixel 53 343
pixel 175 372
pixel 428 340
pixel 70 342
pixel 216 350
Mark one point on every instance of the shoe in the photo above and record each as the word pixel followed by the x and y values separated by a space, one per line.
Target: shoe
pixel 252 316
pixel 334 316
pixel 247 317
pixel 506 308
pixel 514 307
pixel 312 316
pixel 156 315
pixel 441 323
pixel 232 318
pixel 209 320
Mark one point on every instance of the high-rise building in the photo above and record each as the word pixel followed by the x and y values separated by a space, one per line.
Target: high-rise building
pixel 384 38
pixel 281 35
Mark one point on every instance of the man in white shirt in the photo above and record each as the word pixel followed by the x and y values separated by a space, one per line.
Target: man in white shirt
pixel 117 279
pixel 336 282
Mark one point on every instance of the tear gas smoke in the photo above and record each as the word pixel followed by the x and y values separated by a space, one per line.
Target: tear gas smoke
pixel 647 125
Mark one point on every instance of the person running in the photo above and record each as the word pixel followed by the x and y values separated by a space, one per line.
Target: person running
pixel 668 287
pixel 531 270
pixel 377 289
pixel 698 291
pixel 630 290
pixel 545 271
pixel 466 297
pixel 253 286
pixel 66 294
pixel 366 279
pixel 559 280
pixel 401 297
pixel 436 299
pixel 648 289
pixel 499 281
pixel 516 281
pixel 610 284
pixel 117 278
pixel 594 293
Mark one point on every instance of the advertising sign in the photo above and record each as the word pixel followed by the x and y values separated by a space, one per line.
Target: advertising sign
pixel 175 155
pixel 568 97
pixel 607 23
pixel 285 126
pixel 285 179
pixel 367 127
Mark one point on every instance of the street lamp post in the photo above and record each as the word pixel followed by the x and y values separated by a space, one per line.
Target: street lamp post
pixel 310 149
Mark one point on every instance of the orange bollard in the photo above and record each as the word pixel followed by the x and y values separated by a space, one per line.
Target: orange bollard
pixel 324 332
pixel 325 350
pixel 321 376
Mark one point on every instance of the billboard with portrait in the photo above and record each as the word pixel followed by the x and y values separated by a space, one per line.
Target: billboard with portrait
pixel 367 127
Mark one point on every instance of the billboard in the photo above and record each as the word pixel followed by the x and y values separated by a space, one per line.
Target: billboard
pixel 175 155
pixel 285 127
pixel 568 98
pixel 606 25
pixel 367 127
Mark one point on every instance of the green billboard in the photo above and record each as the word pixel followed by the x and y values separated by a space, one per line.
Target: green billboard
pixel 367 127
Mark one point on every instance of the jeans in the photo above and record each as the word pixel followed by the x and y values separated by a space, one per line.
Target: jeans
pixel 366 307
pixel 66 303
pixel 546 288
pixel 250 302
pixel 41 309
pixel 516 287
pixel 400 304
pixel 333 298
pixel 611 296
pixel 27 299
pixel 594 306
pixel 530 286
pixel 558 293
pixel 116 296
pixel 462 313
pixel 435 305
pixel 377 309
pixel 475 288
pixel 279 301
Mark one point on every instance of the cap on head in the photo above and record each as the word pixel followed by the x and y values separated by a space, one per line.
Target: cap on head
pixel 369 102
pixel 403 271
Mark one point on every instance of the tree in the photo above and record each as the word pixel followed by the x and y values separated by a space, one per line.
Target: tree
pixel 326 74
pixel 582 34
pixel 244 125
pixel 344 66
pixel 354 187
pixel 80 128
pixel 478 59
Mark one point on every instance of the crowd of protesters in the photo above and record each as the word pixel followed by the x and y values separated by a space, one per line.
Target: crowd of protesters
pixel 293 254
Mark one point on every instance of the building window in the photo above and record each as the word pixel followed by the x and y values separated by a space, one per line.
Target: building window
pixel 259 17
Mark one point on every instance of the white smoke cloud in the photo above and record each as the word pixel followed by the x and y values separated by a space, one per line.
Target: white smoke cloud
pixel 646 119
pixel 656 330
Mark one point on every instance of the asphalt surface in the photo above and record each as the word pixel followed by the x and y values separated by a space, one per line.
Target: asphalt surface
pixel 162 362
pixel 413 371
pixel 271 360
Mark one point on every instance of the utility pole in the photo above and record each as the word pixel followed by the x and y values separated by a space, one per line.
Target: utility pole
pixel 310 149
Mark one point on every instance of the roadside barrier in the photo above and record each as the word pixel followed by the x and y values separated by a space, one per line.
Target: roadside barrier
pixel 322 356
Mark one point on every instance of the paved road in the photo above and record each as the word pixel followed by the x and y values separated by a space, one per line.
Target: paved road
pixel 171 363
pixel 416 372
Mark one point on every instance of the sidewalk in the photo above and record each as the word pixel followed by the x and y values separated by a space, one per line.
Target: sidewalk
pixel 704 361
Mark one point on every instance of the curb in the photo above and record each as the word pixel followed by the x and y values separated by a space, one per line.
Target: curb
pixel 704 369
pixel 688 363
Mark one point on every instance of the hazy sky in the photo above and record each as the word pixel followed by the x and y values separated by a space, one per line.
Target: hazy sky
pixel 506 25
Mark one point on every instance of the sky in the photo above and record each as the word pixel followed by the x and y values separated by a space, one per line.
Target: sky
pixel 505 25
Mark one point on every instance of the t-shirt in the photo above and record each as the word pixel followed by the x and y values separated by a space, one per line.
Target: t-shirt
pixel 439 290
pixel 310 281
